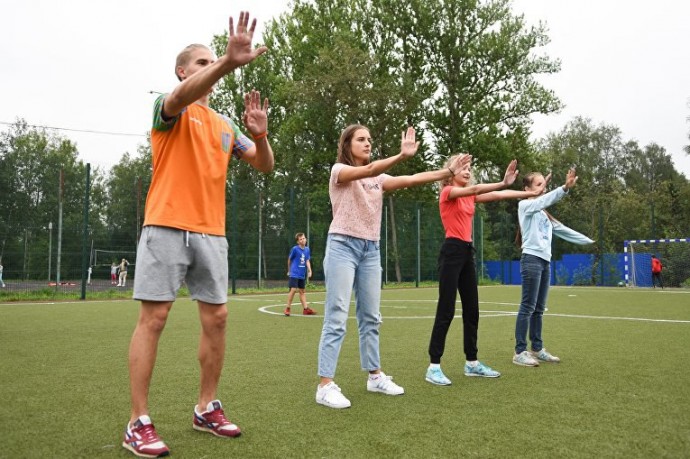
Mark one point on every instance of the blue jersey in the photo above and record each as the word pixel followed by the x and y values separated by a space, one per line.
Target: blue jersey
pixel 298 261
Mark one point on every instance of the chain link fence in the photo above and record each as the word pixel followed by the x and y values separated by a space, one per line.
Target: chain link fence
pixel 261 231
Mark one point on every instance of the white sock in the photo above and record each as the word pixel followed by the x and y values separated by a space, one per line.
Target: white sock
pixel 473 363
pixel 434 365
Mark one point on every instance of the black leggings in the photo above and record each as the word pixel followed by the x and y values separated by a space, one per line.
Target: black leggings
pixel 456 273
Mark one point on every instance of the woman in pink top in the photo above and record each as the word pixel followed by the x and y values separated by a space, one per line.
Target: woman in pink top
pixel 352 260
pixel 456 264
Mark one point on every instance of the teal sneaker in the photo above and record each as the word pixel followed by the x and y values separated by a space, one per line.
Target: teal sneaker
pixel 436 376
pixel 480 370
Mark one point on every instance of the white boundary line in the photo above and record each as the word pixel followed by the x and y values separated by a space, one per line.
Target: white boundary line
pixel 484 314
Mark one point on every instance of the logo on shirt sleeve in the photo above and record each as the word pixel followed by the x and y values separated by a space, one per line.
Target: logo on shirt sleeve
pixel 226 138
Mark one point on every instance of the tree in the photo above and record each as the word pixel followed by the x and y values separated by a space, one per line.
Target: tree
pixel 127 185
pixel 623 192
pixel 482 61
pixel 459 70
pixel 30 163
pixel 687 147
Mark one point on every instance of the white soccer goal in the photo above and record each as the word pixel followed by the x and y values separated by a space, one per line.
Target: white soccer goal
pixel 107 257
pixel 673 253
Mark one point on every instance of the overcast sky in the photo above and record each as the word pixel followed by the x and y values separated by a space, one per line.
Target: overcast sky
pixel 89 65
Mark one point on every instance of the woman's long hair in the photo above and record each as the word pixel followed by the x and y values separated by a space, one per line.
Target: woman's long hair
pixel 345 144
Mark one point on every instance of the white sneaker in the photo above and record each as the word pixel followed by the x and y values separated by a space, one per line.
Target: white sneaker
pixel 384 384
pixel 330 396
pixel 525 359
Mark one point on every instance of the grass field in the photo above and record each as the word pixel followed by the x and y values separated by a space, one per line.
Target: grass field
pixel 622 389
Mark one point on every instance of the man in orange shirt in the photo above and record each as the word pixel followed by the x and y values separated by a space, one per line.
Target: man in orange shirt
pixel 184 227
pixel 656 272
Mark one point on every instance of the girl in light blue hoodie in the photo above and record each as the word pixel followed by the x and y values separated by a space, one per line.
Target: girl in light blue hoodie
pixel 538 227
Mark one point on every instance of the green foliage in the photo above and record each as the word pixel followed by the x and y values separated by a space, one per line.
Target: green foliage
pixel 464 72
pixel 127 184
pixel 31 160
pixel 623 192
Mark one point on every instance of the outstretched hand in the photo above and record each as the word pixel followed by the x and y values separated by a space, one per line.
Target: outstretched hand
pixel 255 116
pixel 570 179
pixel 511 173
pixel 464 159
pixel 239 50
pixel 408 145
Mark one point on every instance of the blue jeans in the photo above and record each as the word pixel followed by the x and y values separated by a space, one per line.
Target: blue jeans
pixel 351 264
pixel 536 277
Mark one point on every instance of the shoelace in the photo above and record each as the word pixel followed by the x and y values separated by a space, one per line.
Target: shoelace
pixel 147 433
pixel 386 382
pixel 217 417
pixel 334 386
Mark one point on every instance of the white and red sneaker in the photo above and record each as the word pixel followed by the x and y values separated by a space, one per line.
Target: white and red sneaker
pixel 213 421
pixel 141 439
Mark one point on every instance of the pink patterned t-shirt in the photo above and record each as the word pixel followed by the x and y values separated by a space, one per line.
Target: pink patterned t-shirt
pixel 356 205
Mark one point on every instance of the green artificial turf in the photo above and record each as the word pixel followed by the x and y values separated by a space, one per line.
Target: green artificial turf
pixel 622 389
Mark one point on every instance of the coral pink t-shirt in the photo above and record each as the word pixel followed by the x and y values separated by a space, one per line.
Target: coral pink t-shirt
pixel 457 214
pixel 357 205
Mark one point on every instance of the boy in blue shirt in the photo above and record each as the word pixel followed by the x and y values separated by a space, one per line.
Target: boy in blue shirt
pixel 299 269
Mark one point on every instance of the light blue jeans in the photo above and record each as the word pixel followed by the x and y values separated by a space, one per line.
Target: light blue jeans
pixel 351 264
pixel 536 277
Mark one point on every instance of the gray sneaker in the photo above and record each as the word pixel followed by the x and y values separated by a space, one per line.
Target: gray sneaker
pixel 525 359
pixel 544 356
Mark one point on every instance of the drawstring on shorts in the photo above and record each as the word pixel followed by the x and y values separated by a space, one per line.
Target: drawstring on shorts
pixel 186 237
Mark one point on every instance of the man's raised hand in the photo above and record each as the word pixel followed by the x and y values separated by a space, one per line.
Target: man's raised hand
pixel 239 50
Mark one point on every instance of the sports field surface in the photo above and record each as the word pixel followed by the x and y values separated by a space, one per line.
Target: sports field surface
pixel 622 389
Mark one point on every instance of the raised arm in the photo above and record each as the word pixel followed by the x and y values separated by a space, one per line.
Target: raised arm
pixel 509 177
pixel 506 194
pixel 238 53
pixel 570 179
pixel 407 181
pixel 255 118
pixel 408 148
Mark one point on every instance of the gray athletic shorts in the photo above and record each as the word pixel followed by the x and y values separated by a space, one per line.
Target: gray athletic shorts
pixel 167 256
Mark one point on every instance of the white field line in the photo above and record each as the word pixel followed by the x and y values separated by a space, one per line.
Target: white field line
pixel 483 314
pixel 486 314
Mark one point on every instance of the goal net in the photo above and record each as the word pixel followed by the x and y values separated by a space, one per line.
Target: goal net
pixel 674 255
pixel 107 257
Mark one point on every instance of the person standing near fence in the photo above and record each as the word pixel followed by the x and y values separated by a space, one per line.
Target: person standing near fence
pixel 537 228
pixel 113 273
pixel 2 282
pixel 122 269
pixel 352 259
pixel 456 265
pixel 656 272
pixel 183 238
pixel 299 270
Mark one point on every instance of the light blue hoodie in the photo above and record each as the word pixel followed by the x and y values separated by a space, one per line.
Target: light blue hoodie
pixel 537 229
